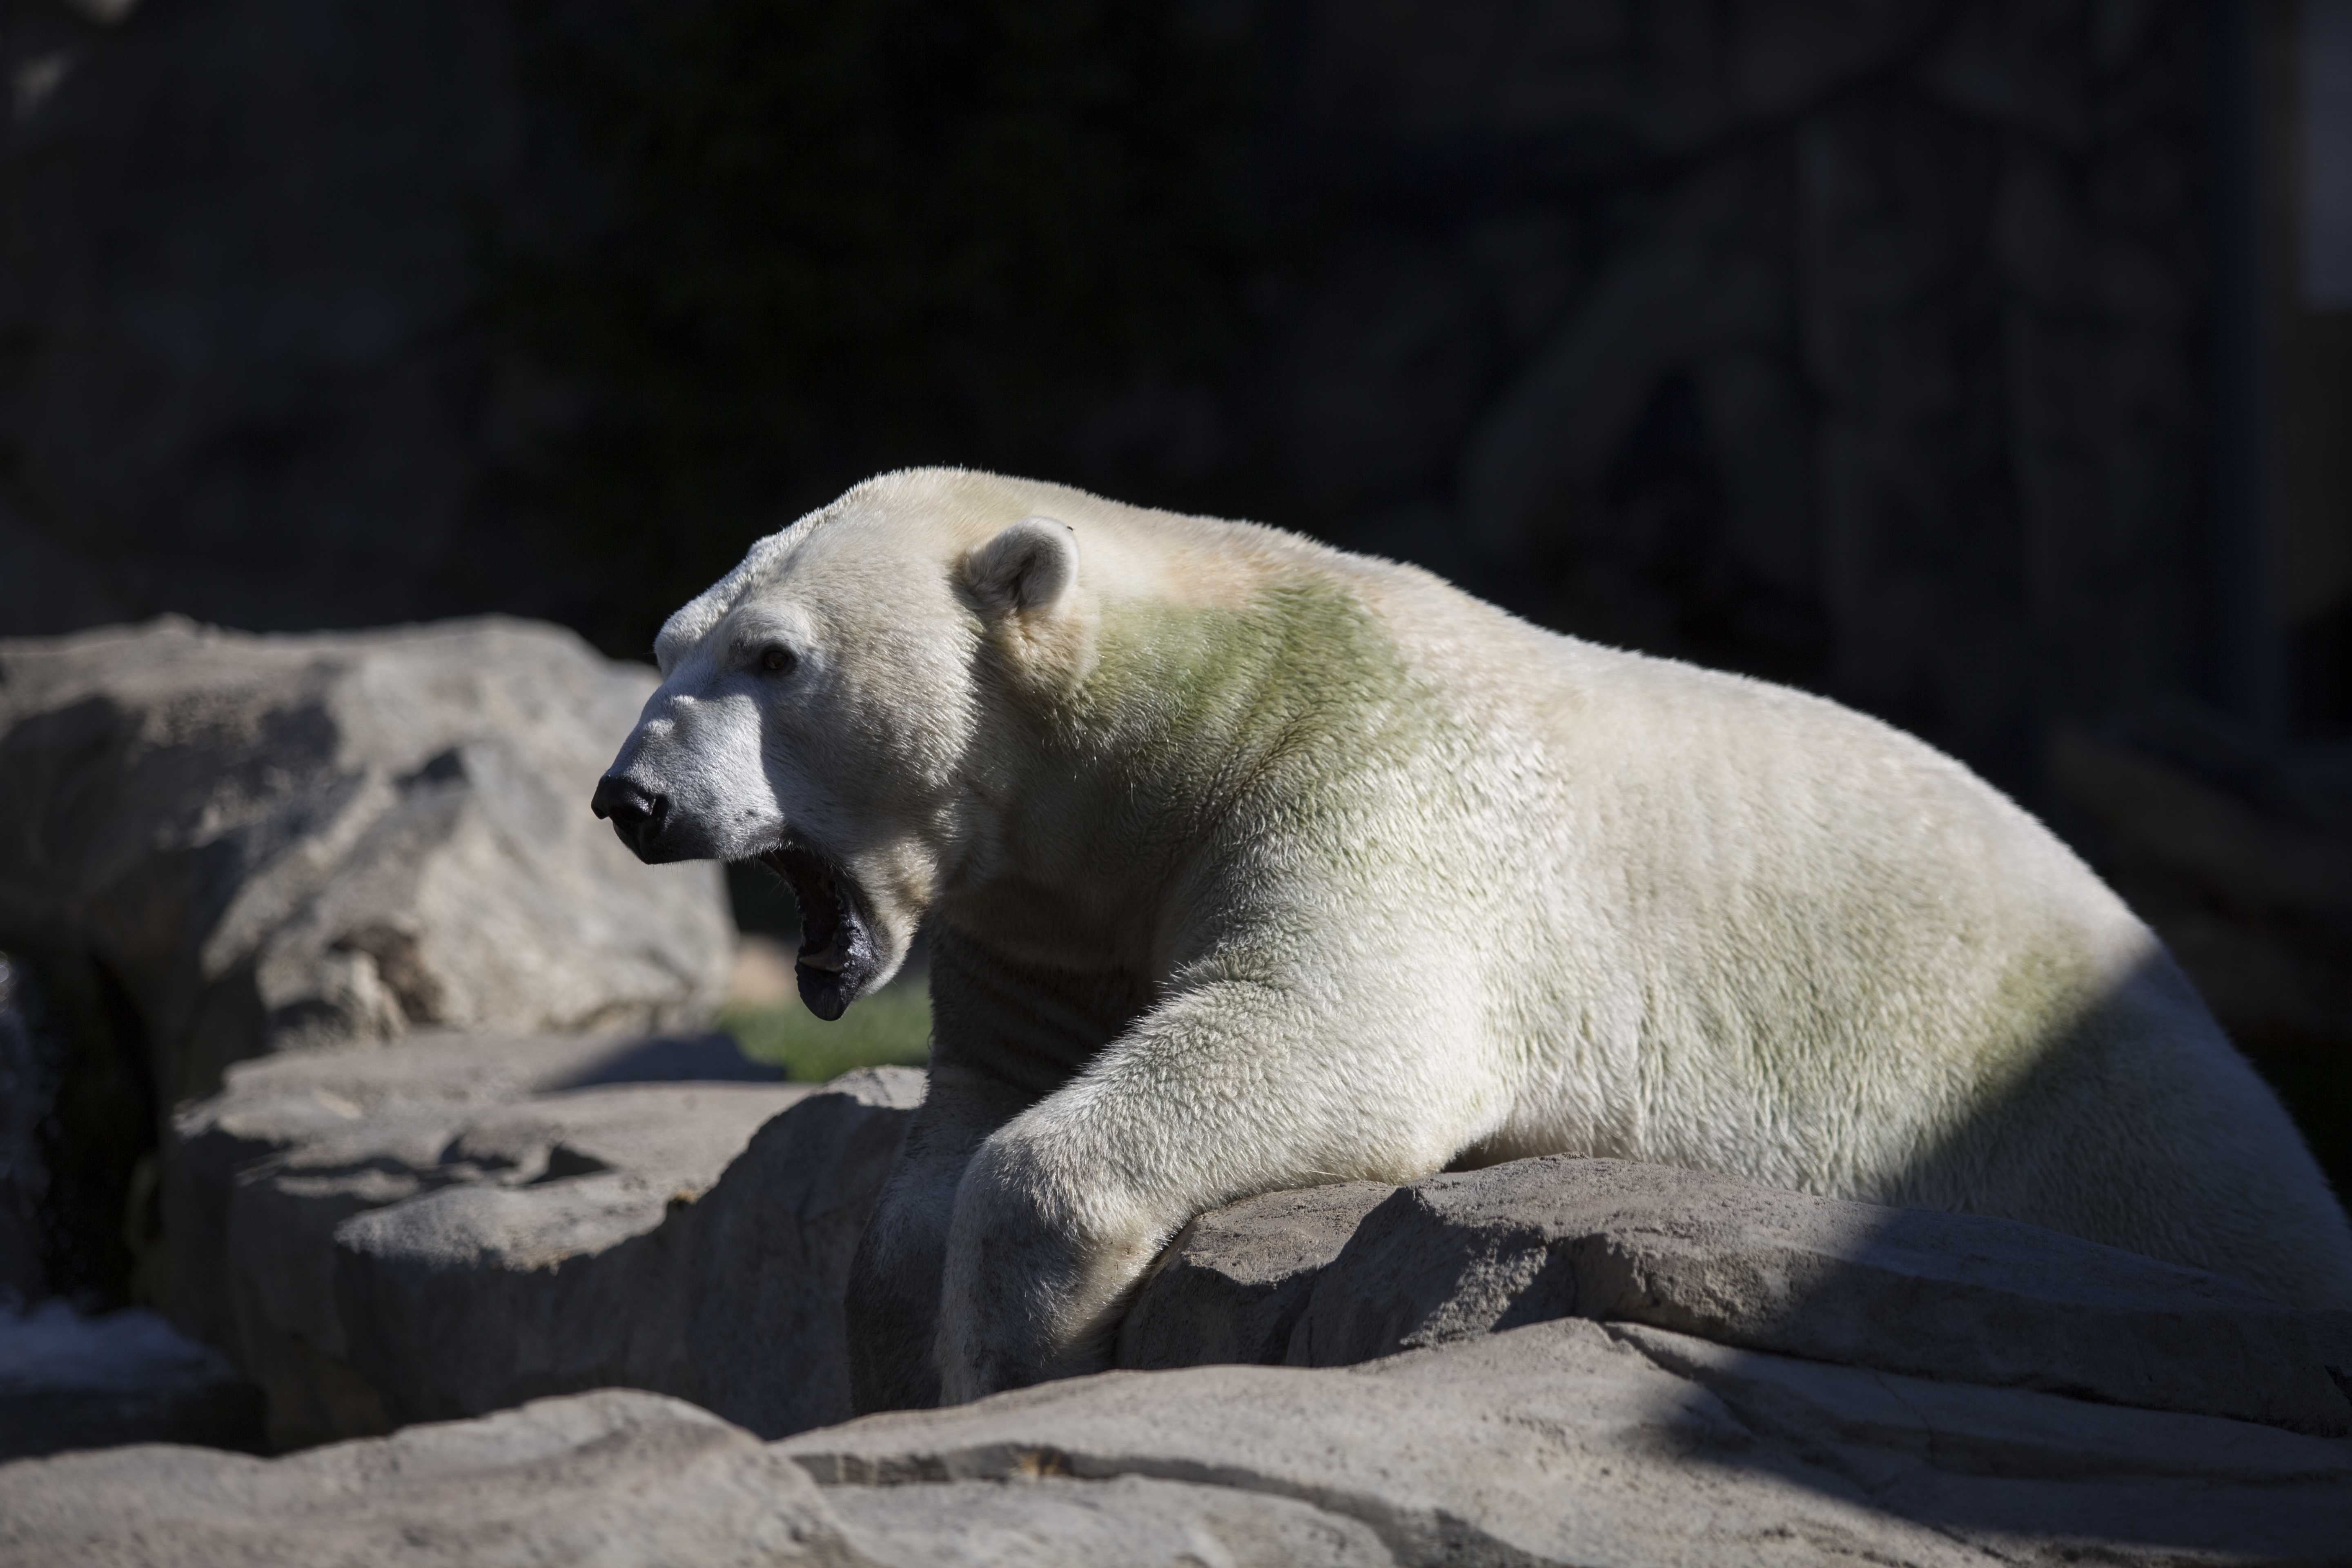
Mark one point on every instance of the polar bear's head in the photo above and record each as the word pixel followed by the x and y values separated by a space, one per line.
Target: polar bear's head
pixel 823 710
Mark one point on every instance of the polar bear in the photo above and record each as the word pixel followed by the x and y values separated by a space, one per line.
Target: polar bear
pixel 1251 864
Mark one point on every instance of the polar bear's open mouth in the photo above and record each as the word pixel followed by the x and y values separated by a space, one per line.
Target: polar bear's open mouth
pixel 838 956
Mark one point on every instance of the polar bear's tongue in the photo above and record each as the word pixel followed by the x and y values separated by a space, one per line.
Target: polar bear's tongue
pixel 838 956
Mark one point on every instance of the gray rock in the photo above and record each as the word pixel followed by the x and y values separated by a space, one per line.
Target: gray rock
pixel 1125 1519
pixel 1569 1442
pixel 1232 1286
pixel 2034 1477
pixel 622 1477
pixel 1577 1442
pixel 1959 1297
pixel 280 1104
pixel 1551 1445
pixel 657 1275
pixel 615 1478
pixel 463 1267
pixel 1969 1429
pixel 771 1246
pixel 443 1228
pixel 282 842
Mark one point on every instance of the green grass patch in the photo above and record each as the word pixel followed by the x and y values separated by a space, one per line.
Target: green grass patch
pixel 890 1028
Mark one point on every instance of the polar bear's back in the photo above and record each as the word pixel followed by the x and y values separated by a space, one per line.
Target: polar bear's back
pixel 1786 941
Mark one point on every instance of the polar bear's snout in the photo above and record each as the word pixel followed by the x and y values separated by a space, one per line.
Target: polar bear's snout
pixel 687 782
pixel 636 814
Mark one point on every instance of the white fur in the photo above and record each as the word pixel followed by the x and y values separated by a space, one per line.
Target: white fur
pixel 1253 865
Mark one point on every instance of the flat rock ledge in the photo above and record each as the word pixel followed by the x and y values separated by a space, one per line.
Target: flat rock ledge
pixel 453 1225
pixel 1552 1361
pixel 1564 1442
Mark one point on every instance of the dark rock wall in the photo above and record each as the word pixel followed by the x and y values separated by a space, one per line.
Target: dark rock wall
pixel 239 379
pixel 1855 346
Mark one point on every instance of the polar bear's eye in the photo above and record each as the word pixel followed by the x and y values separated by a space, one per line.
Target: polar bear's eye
pixel 778 659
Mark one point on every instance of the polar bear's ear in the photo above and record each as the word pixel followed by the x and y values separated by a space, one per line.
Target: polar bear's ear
pixel 1031 567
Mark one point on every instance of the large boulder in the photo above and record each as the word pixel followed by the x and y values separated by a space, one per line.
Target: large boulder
pixel 1567 1442
pixel 276 842
pixel 266 843
pixel 455 1224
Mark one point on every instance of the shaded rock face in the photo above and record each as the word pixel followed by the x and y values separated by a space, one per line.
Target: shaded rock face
pixel 69 1381
pixel 29 1069
pixel 76 1132
pixel 270 844
pixel 455 1223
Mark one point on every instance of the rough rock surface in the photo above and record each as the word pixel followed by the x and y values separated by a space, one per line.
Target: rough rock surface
pixel 1579 1442
pixel 1553 1361
pixel 278 842
pixel 1568 1442
pixel 603 1478
pixel 1232 1286
pixel 455 1223
pixel 1356 1272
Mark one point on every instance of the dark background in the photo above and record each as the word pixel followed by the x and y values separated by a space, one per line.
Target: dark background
pixel 1964 361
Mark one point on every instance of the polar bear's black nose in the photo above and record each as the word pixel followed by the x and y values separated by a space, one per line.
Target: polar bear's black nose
pixel 634 811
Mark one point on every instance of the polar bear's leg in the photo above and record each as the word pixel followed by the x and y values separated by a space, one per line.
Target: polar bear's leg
pixel 1230 1089
pixel 1003 1039
pixel 894 1282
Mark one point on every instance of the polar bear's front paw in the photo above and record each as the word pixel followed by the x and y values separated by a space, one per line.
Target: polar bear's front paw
pixel 1002 1324
pixel 1010 1332
pixel 1030 1291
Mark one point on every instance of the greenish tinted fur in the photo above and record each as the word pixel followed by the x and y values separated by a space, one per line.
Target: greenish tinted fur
pixel 1257 689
